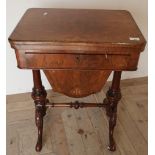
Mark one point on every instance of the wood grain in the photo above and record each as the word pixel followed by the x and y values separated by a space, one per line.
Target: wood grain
pixel 75 83
pixel 77 26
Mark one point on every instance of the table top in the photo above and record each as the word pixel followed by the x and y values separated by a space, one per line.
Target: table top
pixel 78 26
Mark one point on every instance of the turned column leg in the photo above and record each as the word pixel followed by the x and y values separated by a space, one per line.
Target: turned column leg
pixel 112 97
pixel 39 96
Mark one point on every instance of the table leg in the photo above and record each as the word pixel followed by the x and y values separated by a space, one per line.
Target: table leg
pixel 39 96
pixel 112 97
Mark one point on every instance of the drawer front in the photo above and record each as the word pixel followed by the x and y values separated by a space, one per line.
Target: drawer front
pixel 75 61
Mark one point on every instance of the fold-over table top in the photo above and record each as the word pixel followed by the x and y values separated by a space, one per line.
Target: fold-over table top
pixel 78 27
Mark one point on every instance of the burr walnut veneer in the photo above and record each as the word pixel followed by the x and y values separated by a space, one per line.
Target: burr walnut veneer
pixel 77 49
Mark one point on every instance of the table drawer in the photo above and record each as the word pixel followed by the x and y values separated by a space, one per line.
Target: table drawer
pixel 73 61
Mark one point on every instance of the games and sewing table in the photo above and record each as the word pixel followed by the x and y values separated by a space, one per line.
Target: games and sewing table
pixel 77 49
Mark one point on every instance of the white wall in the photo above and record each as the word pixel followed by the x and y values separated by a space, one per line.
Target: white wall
pixel 19 81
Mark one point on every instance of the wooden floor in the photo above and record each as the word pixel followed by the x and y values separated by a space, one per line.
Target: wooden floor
pixel 80 132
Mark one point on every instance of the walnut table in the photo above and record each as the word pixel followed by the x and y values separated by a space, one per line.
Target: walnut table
pixel 77 49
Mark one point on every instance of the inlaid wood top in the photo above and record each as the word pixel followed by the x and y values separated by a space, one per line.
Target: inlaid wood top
pixel 78 26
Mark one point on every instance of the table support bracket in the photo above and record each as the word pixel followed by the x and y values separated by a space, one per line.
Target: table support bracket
pixel 110 104
pixel 75 105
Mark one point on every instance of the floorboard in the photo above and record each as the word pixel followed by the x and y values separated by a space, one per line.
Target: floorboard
pixel 84 131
